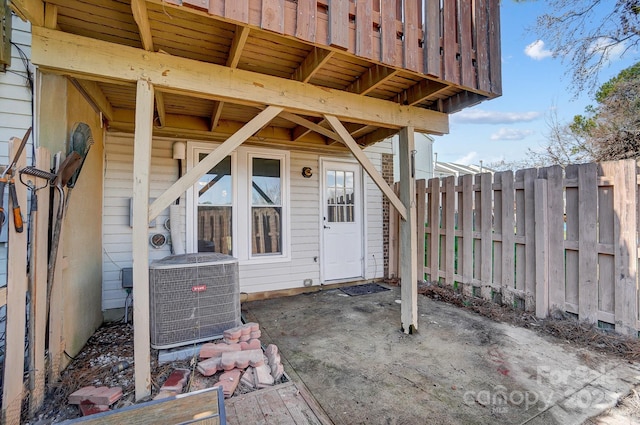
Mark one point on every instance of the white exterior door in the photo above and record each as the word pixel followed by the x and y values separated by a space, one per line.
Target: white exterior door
pixel 342 224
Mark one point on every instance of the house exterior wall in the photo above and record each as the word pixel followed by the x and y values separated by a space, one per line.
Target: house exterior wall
pixel 304 216
pixel 15 111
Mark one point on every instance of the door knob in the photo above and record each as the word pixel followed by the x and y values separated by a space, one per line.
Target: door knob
pixel 327 227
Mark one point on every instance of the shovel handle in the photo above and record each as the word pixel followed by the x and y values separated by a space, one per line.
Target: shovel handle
pixel 3 217
pixel 17 214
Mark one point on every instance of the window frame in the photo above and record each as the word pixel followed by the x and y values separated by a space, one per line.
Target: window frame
pixel 241 175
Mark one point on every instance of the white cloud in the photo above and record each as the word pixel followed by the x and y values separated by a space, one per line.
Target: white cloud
pixel 511 134
pixel 537 51
pixel 467 159
pixel 480 116
pixel 610 49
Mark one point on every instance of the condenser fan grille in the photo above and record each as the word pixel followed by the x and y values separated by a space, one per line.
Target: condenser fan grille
pixel 194 298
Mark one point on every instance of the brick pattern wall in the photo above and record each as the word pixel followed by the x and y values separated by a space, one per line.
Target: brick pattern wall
pixel 387 174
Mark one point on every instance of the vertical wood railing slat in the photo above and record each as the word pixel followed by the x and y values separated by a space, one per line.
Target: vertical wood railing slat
pixel 434 224
pixel 482 45
pixel 467 231
pixel 572 234
pixel 431 54
pixel 306 20
pixel 466 48
pixel 587 254
pixel 449 225
pixel 388 32
pixel 421 205
pixel 450 42
pixel 272 17
pixel 339 24
pixel 13 382
pixel 364 28
pixel 238 10
pixel 495 52
pixel 626 246
pixel 410 42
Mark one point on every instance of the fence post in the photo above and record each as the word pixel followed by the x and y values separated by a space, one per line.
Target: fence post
pixel 542 245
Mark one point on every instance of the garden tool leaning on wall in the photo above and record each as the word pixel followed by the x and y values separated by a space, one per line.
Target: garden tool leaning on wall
pixel 13 197
pixel 80 142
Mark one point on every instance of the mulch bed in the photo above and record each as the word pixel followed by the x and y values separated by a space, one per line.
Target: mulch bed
pixel 559 324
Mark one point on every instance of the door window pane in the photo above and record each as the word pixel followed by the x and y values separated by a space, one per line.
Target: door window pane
pixel 215 209
pixel 266 206
pixel 340 196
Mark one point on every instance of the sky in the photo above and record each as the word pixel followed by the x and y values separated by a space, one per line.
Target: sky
pixel 533 85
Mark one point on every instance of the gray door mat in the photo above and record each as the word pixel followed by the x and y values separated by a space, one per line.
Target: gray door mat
pixel 367 288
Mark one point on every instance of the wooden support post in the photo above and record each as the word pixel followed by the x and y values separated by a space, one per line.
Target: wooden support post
pixel 408 243
pixel 141 170
pixel 13 382
pixel 39 264
pixel 542 248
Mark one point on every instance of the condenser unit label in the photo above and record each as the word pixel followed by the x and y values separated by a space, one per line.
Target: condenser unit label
pixel 199 288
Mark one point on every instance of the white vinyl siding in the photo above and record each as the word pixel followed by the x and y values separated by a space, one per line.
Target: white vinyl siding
pixel 15 112
pixel 304 219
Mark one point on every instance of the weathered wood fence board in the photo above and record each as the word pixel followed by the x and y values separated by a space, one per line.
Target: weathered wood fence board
pixel 539 239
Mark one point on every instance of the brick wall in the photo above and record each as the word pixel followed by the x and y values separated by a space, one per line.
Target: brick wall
pixel 387 174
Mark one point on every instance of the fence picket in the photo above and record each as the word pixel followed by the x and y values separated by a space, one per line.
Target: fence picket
pixel 421 204
pixel 530 245
pixel 587 266
pixel 486 235
pixel 555 216
pixel 571 242
pixel 542 245
pixel 434 223
pixel 606 233
pixel 520 259
pixel 448 216
pixel 467 232
pixel 626 246
pixel 508 240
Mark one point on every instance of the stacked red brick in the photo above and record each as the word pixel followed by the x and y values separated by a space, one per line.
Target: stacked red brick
pixel 240 354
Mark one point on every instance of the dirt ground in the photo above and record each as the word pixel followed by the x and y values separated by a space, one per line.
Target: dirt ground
pixel 461 366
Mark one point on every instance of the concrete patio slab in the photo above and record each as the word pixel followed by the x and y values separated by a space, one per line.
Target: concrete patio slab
pixel 459 367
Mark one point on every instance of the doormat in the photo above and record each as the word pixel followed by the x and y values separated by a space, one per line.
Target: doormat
pixel 367 288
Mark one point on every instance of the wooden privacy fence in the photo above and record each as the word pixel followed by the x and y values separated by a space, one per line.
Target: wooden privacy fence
pixel 547 239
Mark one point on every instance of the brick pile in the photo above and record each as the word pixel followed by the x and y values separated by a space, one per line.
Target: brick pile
pixel 92 399
pixel 239 355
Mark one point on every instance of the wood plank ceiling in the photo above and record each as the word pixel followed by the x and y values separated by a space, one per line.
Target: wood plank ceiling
pixel 195 35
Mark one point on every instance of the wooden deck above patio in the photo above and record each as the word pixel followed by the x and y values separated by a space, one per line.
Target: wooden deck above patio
pixel 436 55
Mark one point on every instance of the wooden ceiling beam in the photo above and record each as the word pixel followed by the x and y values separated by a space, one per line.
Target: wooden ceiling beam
pixel 371 79
pixel 67 54
pixel 92 92
pixel 29 10
pixel 140 15
pixel 297 119
pixel 51 16
pixel 376 136
pixel 312 64
pixel 235 52
pixel 460 101
pixel 419 92
pixel 160 109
